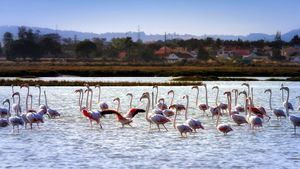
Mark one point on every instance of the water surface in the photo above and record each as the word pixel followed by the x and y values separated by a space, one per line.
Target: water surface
pixel 69 142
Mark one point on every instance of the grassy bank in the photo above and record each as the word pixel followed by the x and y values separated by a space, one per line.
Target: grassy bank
pixel 78 83
pixel 46 70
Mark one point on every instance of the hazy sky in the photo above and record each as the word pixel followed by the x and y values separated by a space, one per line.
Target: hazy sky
pixel 197 17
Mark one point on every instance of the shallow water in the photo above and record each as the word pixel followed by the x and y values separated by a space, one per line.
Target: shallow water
pixel 68 142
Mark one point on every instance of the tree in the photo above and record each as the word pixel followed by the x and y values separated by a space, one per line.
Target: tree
pixel 85 48
pixel 277 46
pixel 99 42
pixel 25 49
pixel 295 40
pixel 50 46
pixel 7 41
pixel 0 49
pixel 202 54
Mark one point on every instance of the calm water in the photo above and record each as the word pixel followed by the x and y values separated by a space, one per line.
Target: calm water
pixel 69 142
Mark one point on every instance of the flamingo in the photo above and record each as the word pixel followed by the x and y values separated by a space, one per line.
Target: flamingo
pixel 86 111
pixel 80 99
pixel 157 119
pixel 161 104
pixel 288 104
pixel 172 98
pixel 40 92
pixel 277 112
pixel 37 117
pixel 182 128
pixel 15 105
pixel 4 121
pixel 102 105
pixel 223 128
pixel 16 120
pixel 123 120
pixel 238 119
pixel 294 119
pixel 237 107
pixel 215 110
pixel 52 114
pixel 202 107
pixel 253 121
pixel 23 115
pixel 192 123
pixel 4 112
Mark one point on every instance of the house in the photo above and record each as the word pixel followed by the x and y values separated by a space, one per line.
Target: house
pixel 224 54
pixel 163 51
pixel 296 59
pixel 290 51
pixel 177 57
pixel 122 55
pixel 241 52
pixel 250 57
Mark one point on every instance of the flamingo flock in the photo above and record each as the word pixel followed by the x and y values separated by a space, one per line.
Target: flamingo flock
pixel 28 117
pixel 158 110
pixel 164 113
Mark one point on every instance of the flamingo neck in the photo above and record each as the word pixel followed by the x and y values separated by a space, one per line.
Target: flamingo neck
pixel 91 99
pixel 206 98
pixel 130 104
pixel 270 101
pixel 172 99
pixel 287 101
pixel 186 109
pixel 147 109
pixel 27 100
pixel 13 91
pixel 99 94
pixel 174 120
pixel 197 97
pixel 39 96
pixel 87 100
pixel 46 102
pixel 152 99
pixel 217 96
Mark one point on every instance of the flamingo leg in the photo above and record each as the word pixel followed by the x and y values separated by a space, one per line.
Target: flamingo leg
pixel 18 128
pixel 158 127
pixel 100 126
pixel 294 129
pixel 13 129
pixel 165 127
pixel 130 125
pixel 91 123
pixel 31 126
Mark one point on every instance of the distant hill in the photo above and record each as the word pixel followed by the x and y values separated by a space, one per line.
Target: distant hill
pixel 148 37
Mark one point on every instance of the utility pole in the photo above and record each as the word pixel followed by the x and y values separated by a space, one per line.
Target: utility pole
pixel 139 34
pixel 165 44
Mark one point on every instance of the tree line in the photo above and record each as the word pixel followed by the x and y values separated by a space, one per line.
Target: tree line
pixel 32 45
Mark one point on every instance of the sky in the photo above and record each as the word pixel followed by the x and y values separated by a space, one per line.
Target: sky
pixel 197 17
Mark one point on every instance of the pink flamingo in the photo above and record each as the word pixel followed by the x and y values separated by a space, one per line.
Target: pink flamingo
pixel 288 104
pixel 4 122
pixel 52 114
pixel 256 120
pixel 130 113
pixel 16 120
pixel 294 119
pixel 237 107
pixel 223 128
pixel 157 119
pixel 86 111
pixel 183 129
pixel 238 119
pixel 202 107
pixel 193 123
pixel 277 112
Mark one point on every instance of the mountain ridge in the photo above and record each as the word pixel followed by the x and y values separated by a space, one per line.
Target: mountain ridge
pixel 148 37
